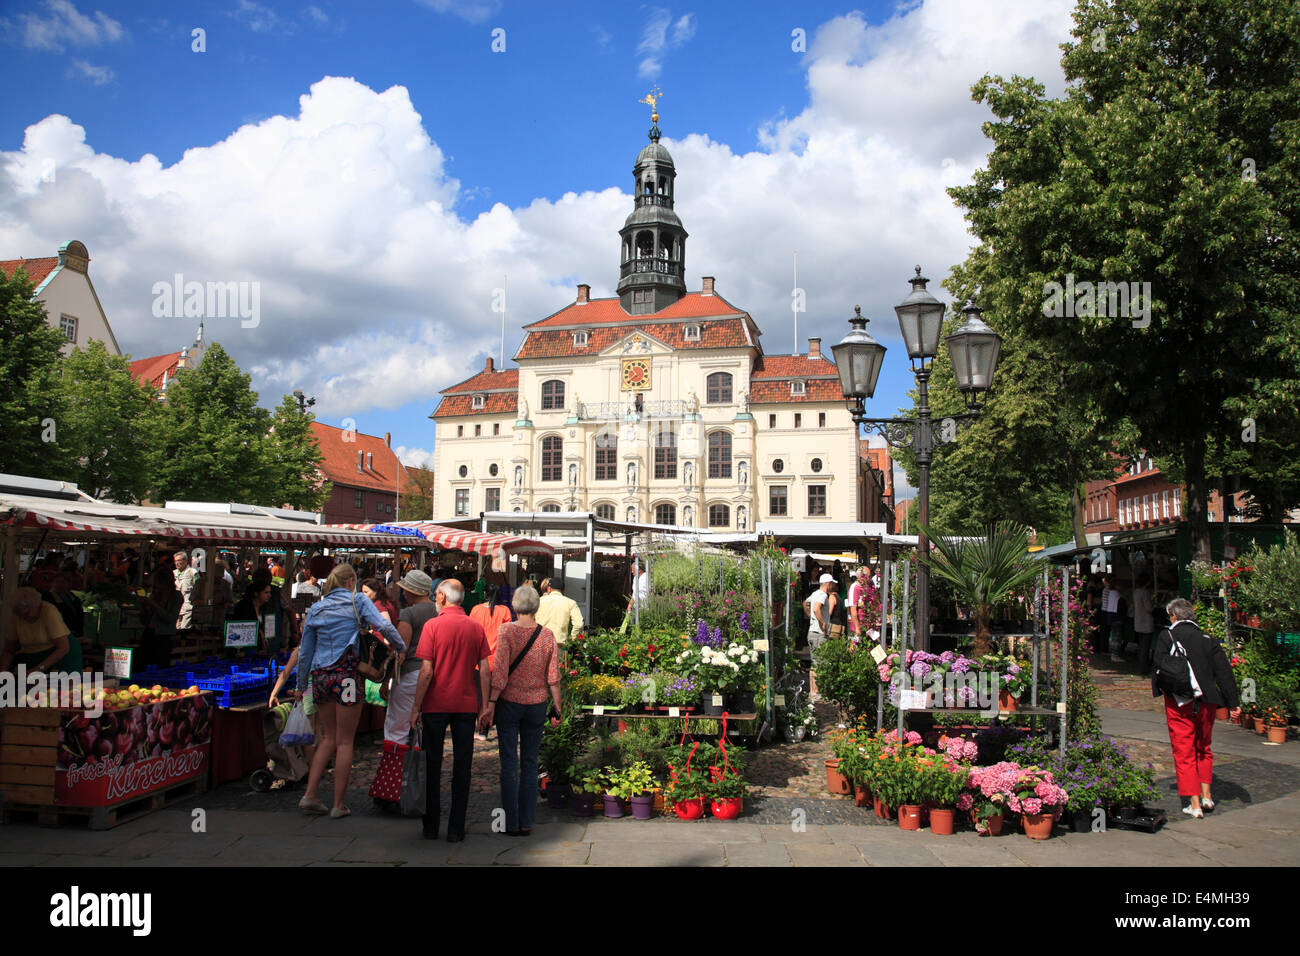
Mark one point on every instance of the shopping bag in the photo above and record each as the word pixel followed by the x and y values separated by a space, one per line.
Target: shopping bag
pixel 413 778
pixel 387 784
pixel 297 729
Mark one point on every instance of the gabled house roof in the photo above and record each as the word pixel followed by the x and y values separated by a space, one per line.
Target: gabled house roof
pixel 38 270
pixel 156 369
pixel 339 464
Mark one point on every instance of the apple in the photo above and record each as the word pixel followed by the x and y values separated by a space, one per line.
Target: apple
pixel 157 688
pixel 133 688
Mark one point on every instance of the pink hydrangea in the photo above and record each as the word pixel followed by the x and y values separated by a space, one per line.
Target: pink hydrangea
pixel 1032 805
pixel 966 801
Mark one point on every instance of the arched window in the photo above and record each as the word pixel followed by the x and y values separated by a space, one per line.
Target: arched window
pixel 550 508
pixel 607 456
pixel 665 514
pixel 719 516
pixel 552 395
pixel 718 388
pixel 719 455
pixel 605 512
pixel 552 455
pixel 666 454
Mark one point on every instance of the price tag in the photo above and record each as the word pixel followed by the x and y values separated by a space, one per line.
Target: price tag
pixel 717 700
pixel 779 700
pixel 912 700
pixel 1060 707
pixel 117 661
pixel 241 634
pixel 598 710
pixel 760 644
pixel 674 711
pixel 878 654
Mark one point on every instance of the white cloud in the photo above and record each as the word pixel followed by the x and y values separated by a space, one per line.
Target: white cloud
pixel 260 19
pixel 64 25
pixel 375 291
pixel 99 75
pixel 414 457
pixel 473 11
pixel 316 14
pixel 656 41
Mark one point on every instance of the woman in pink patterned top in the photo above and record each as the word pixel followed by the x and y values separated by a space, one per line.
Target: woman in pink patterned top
pixel 525 672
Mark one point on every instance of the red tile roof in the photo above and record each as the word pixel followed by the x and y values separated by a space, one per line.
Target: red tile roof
pixel 151 370
pixel 37 269
pixel 339 459
pixel 794 366
pixel 728 333
pixel 486 381
pixel 882 461
pixel 693 305
pixel 770 380
pixel 499 388
pixel 778 392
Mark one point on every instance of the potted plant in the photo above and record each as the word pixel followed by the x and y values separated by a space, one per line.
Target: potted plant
pixel 945 781
pixel 726 796
pixel 632 784
pixel 987 793
pixel 585 786
pixel 556 754
pixel 682 692
pixel 1038 800
pixel 686 792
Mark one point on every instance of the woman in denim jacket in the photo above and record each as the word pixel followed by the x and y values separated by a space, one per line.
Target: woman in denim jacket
pixel 328 658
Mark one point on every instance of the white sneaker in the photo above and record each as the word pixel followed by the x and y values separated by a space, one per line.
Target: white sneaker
pixel 1193 812
pixel 1207 804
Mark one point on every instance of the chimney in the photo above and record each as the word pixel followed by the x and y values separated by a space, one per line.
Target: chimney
pixel 489 365
pixel 388 439
pixel 370 460
pixel 814 347
pixel 584 293
pixel 361 461
pixel 708 286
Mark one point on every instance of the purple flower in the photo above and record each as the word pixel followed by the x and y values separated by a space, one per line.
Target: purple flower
pixel 744 621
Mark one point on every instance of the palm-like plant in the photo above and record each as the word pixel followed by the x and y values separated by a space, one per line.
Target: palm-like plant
pixel 985 572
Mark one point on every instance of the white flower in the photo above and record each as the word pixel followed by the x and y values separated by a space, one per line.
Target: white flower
pixel 733 650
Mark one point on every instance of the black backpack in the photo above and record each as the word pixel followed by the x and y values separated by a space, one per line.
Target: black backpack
pixel 1173 675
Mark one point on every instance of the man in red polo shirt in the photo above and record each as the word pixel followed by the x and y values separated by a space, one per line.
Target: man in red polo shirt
pixel 451 647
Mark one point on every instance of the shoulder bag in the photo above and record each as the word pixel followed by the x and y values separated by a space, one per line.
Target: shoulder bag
pixel 375 659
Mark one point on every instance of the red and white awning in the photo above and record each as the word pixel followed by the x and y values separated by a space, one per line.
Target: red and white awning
pixel 473 542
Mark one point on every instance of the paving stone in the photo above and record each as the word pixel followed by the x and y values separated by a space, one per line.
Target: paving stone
pixel 809 835
pixel 190 847
pixel 757 854
pixel 824 854
pixel 369 850
pixel 553 854
pixel 897 854
pixel 479 849
pixel 966 854
pixel 81 859
pixel 656 854
pixel 674 831
pixel 24 859
pixel 271 850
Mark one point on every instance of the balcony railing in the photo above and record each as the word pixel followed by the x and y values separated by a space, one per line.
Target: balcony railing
pixel 668 267
pixel 627 411
pixel 654 200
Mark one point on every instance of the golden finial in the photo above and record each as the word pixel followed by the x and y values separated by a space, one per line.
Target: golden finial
pixel 652 100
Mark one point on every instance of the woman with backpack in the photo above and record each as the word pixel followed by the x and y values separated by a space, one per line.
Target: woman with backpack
pixel 1193 673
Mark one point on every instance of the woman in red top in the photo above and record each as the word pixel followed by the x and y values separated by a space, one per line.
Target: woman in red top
pixel 491 616
pixel 518 703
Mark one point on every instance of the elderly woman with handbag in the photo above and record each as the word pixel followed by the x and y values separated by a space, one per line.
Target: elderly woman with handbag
pixel 332 658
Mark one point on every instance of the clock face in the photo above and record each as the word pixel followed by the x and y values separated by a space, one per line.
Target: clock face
pixel 636 374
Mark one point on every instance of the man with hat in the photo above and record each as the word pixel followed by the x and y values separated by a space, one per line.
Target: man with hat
pixel 815 607
pixel 419 610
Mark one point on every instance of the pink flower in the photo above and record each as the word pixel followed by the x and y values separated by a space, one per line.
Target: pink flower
pixel 965 801
pixel 1033 805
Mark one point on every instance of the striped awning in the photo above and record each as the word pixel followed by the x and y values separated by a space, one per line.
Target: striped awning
pixel 472 542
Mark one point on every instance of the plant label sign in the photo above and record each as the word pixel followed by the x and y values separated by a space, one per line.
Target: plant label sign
pixel 674 711
pixel 1060 707
pixel 779 700
pixel 717 700
pixel 598 710
pixel 878 654
pixel 760 644
pixel 911 700
pixel 117 661
pixel 241 634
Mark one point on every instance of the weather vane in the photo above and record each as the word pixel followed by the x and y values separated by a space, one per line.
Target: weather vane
pixel 652 100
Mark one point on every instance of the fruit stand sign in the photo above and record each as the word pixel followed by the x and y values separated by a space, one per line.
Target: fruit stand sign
pixel 241 634
pixel 117 661
pixel 127 753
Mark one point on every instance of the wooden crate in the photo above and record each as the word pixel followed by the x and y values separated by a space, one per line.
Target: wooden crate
pixel 29 738
pixel 13 809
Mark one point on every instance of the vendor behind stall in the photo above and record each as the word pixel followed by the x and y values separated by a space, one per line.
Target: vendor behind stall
pixel 69 607
pixel 38 638
pixel 159 611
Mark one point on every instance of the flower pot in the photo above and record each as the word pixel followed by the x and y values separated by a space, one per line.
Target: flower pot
pixel 795 735
pixel 909 817
pixel 1222 713
pixel 689 809
pixel 580 805
pixel 1007 702
pixel 1261 728
pixel 613 806
pixel 836 782
pixel 659 801
pixel 1037 826
pixel 1236 720
pixel 557 795
pixel 883 810
pixel 1081 821
pixel 1277 733
pixel 643 807
pixel 943 821
pixel 727 809
pixel 992 826
pixel 708 709
pixel 861 795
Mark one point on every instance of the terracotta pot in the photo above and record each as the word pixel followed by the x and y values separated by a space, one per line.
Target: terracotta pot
pixel 836 782
pixel 943 821
pixel 1037 826
pixel 909 817
pixel 659 801
pixel 689 809
pixel 1007 702
pixel 883 810
pixel 994 825
pixel 1236 720
pixel 1261 728
pixel 861 795
pixel 1222 713
pixel 1277 733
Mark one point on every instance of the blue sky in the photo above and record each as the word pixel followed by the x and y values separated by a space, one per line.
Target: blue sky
pixel 378 167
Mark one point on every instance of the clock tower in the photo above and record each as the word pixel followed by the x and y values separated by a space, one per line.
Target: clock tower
pixel 653 242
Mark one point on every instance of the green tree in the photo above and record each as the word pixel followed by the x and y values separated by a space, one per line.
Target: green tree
pixel 210 437
pixel 1172 160
pixel 31 404
pixel 292 459
pixel 106 424
pixel 417 494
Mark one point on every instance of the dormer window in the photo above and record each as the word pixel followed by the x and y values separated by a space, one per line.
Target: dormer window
pixel 692 333
pixel 478 401
pixel 798 388
pixel 580 340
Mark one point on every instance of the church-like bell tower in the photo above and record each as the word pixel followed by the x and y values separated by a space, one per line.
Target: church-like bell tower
pixel 653 242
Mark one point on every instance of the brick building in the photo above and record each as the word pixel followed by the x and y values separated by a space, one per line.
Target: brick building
pixel 364 473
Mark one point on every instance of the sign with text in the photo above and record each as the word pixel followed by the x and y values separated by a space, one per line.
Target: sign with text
pixel 117 661
pixel 241 634
pixel 912 700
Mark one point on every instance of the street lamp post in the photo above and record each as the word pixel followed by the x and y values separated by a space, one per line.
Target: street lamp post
pixel 303 402
pixel 974 349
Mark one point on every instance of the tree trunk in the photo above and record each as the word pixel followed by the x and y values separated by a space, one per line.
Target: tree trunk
pixel 982 631
pixel 1076 514
pixel 1197 497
